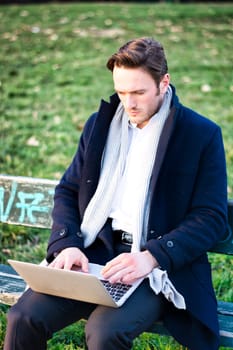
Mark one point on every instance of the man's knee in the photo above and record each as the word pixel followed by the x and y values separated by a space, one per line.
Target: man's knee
pixel 17 319
pixel 104 335
pixel 23 319
pixel 24 330
pixel 14 316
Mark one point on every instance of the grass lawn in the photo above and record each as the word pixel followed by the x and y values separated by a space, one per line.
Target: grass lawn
pixel 53 75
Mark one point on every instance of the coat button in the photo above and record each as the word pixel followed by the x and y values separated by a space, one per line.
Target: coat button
pixel 170 244
pixel 62 232
pixel 79 234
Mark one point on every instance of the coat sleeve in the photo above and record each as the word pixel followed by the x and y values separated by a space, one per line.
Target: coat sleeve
pixel 65 215
pixel 205 218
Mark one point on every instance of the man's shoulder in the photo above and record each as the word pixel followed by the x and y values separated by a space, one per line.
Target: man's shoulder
pixel 105 111
pixel 189 116
pixel 98 123
pixel 193 118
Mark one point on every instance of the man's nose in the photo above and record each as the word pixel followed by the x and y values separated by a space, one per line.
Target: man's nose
pixel 130 102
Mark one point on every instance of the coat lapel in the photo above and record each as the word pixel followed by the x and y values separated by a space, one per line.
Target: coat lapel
pixel 162 147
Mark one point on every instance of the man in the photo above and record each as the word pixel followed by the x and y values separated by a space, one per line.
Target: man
pixel 154 169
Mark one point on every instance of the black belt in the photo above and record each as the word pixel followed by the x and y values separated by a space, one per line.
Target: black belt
pixel 123 237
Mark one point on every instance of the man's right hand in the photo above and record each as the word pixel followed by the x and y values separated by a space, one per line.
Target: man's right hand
pixel 69 257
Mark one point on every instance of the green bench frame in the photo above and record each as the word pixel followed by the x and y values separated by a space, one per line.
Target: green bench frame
pixel 28 201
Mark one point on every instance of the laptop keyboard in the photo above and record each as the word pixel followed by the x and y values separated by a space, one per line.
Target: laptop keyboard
pixel 116 290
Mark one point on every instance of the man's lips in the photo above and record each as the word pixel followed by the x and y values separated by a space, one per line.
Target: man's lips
pixel 134 113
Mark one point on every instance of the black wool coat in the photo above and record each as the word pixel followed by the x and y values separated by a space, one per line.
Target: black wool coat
pixel 187 210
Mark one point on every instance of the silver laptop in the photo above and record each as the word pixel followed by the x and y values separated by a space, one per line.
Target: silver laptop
pixel 74 284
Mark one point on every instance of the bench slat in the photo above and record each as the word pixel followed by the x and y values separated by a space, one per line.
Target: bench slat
pixel 226 328
pixel 225 308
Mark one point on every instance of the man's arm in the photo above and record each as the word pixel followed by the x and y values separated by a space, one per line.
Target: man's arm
pixel 206 217
pixel 65 231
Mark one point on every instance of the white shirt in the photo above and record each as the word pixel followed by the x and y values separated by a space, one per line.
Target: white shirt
pixel 129 191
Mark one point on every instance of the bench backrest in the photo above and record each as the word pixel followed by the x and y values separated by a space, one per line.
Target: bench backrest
pixel 28 201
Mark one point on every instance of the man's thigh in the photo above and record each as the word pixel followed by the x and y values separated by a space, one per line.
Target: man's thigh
pixel 137 314
pixel 54 312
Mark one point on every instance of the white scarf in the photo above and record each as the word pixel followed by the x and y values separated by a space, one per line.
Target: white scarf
pixel 98 209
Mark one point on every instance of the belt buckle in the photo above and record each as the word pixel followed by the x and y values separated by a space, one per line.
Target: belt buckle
pixel 126 238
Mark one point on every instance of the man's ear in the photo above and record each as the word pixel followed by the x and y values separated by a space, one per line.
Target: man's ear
pixel 164 83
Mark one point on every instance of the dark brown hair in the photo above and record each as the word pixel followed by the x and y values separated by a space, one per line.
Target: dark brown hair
pixel 145 53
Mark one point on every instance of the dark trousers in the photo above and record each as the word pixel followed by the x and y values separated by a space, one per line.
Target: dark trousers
pixel 34 319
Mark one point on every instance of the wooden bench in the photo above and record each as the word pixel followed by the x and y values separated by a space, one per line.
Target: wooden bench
pixel 28 202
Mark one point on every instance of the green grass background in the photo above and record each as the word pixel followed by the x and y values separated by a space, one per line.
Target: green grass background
pixel 53 75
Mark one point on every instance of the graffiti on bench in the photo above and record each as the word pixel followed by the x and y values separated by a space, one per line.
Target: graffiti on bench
pixel 26 204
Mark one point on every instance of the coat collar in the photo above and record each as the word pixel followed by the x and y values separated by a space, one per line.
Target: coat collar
pixel 109 109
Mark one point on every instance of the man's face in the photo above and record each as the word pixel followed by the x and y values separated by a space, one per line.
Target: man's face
pixel 139 93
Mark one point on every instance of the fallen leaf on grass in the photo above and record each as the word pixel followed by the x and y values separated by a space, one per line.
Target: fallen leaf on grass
pixel 32 141
pixel 205 88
